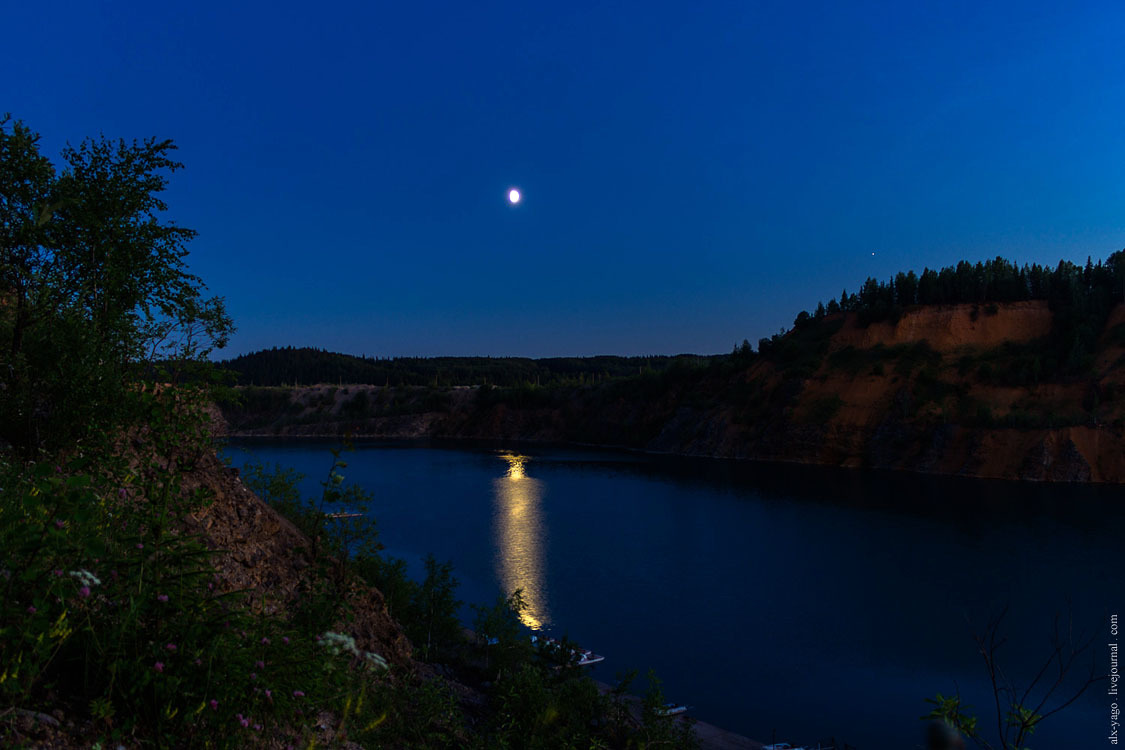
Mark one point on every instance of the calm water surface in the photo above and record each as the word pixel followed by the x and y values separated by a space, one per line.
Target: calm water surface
pixel 786 603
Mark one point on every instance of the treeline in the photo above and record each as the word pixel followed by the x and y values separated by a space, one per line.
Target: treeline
pixel 1093 286
pixel 1080 297
pixel 308 366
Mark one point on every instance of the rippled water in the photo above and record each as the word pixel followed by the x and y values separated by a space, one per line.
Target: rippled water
pixel 787 603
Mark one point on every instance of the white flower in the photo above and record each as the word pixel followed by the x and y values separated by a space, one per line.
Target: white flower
pixel 337 643
pixel 376 660
pixel 86 578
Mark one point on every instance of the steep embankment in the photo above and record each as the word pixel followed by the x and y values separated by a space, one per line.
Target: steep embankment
pixel 260 553
pixel 960 389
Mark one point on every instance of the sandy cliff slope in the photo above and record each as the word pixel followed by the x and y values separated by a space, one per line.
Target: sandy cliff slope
pixel 959 389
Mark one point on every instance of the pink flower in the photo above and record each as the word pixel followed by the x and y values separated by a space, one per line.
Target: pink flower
pixel 158 666
pixel 84 592
pixel 171 647
pixel 57 572
pixel 253 675
pixel 140 546
pixel 199 662
pixel 257 727
pixel 59 523
pixel 260 664
pixel 243 720
pixel 269 695
pixel 214 705
pixel 285 640
pixel 298 694
pixel 31 610
pixel 161 597
pixel 266 641
pixel 121 493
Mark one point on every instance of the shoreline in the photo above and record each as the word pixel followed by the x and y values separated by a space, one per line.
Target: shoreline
pixel 748 461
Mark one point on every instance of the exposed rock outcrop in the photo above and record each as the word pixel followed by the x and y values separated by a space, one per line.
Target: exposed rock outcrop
pixel 949 390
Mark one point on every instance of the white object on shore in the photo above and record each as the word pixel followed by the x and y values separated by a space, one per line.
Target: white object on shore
pixel 585 657
pixel 672 709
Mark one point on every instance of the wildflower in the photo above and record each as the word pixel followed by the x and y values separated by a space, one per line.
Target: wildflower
pixel 260 664
pixel 257 727
pixel 337 642
pixel 269 694
pixel 377 660
pixel 140 546
pixel 242 720
pixel 59 523
pixel 31 610
pixel 253 675
pixel 84 592
pixel 285 640
pixel 161 597
pixel 171 647
pixel 121 493
pixel 86 578
pixel 298 694
pixel 158 666
pixel 214 705
pixel 58 573
pixel 199 662
pixel 265 641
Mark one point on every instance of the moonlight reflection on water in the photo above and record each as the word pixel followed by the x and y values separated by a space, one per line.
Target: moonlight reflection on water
pixel 521 538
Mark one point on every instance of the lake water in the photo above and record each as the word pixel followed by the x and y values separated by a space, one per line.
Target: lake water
pixel 783 603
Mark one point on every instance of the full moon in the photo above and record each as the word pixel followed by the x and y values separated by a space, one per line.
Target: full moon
pixel 514 196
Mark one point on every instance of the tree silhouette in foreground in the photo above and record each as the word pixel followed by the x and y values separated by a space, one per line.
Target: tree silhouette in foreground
pixel 1019 712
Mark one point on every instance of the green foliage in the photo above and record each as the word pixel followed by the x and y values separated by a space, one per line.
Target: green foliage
pixel 653 727
pixel 501 634
pixel 93 287
pixel 436 608
pixel 950 710
pixel 108 605
pixel 307 366
pixel 802 351
pixel 1080 298
pixel 426 610
pixel 537 707
pixel 1019 709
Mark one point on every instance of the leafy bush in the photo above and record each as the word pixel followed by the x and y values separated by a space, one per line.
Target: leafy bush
pixel 111 609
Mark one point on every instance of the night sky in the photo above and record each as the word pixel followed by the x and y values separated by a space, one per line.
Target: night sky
pixel 693 173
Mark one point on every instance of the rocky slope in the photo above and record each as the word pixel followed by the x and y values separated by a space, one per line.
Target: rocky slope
pixel 261 553
pixel 960 389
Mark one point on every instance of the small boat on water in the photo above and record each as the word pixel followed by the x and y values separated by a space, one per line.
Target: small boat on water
pixel 585 657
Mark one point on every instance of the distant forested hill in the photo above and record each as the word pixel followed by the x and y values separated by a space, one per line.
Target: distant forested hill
pixel 980 369
pixel 307 366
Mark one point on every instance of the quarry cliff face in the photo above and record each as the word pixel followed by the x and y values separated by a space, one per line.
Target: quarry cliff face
pixel 959 389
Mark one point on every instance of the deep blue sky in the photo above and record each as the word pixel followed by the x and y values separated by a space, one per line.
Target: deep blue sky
pixel 694 173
